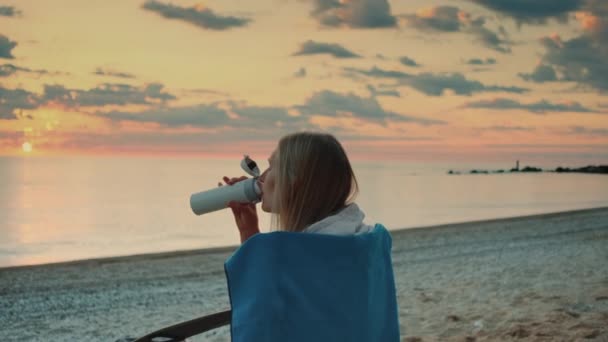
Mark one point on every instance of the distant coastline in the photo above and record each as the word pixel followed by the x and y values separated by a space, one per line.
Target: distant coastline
pixel 599 169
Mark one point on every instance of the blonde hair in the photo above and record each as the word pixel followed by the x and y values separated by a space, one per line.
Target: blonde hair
pixel 314 179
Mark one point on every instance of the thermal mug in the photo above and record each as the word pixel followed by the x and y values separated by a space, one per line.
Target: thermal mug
pixel 215 199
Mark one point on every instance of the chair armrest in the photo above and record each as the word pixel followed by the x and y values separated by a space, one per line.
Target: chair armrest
pixel 182 331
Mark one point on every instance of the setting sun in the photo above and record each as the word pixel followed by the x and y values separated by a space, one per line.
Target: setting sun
pixel 27 147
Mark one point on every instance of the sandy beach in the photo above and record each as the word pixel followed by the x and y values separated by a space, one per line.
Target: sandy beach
pixel 535 278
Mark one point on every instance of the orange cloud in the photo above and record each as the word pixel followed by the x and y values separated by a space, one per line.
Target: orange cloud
pixel 589 21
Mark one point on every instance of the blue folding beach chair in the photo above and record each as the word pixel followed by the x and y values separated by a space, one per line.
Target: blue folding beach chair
pixel 295 287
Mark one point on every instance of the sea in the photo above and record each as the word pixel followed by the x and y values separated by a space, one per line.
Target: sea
pixel 55 209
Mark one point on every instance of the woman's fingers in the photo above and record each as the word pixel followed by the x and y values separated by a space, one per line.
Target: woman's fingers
pixel 231 181
pixel 238 179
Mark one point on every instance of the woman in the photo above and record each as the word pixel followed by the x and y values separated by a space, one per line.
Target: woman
pixel 336 285
pixel 309 186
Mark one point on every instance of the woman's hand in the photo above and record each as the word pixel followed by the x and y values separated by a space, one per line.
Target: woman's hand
pixel 245 214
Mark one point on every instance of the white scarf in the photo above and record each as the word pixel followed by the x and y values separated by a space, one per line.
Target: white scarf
pixel 347 221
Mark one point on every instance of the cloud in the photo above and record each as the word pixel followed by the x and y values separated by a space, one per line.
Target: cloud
pixel 6 46
pixel 542 73
pixel 581 60
pixel 231 114
pixel 449 19
pixel 354 13
pixel 102 72
pixel 301 73
pixel 381 56
pixel 11 136
pixel 265 117
pixel 580 130
pixel 408 62
pixel 382 92
pixel 330 103
pixel 197 15
pixel 9 11
pixel 106 94
pixel 235 114
pixel 203 91
pixel 540 107
pixel 439 18
pixel 490 39
pixel 204 115
pixel 479 61
pixel 533 12
pixel 7 70
pixel 316 48
pixel 435 84
pixel 229 141
pixel 509 129
pixel 14 100
pixel 376 72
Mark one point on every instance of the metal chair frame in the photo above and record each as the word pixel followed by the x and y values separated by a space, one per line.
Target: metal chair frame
pixel 181 331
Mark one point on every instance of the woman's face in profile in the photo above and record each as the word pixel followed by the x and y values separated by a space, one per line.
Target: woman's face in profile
pixel 267 180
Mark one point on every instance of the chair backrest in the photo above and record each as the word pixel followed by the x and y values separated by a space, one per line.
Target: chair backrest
pixel 305 287
pixel 299 287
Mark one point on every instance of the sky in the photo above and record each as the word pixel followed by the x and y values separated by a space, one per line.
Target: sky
pixel 397 80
